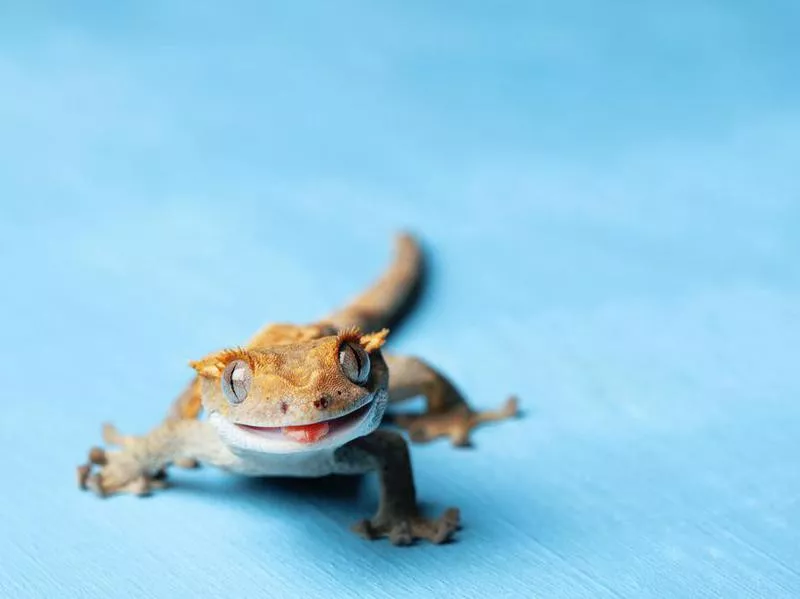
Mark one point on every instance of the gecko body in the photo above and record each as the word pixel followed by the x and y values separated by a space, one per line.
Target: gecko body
pixel 307 400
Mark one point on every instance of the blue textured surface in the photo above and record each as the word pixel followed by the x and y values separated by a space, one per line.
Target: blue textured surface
pixel 610 200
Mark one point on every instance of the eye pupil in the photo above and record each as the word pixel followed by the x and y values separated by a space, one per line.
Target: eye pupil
pixel 236 379
pixel 354 362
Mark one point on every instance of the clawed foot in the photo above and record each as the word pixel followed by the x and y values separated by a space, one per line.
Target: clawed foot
pixel 112 436
pixel 456 423
pixel 109 472
pixel 405 530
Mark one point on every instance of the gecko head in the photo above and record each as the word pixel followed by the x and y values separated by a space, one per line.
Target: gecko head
pixel 305 396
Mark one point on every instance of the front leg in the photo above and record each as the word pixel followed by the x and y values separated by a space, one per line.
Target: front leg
pixel 398 516
pixel 448 414
pixel 140 464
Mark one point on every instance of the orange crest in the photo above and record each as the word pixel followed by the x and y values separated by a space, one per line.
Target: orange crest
pixel 213 364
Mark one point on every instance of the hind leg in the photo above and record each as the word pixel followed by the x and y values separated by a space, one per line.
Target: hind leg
pixel 447 414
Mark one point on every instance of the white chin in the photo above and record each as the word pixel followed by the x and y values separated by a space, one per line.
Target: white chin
pixel 240 439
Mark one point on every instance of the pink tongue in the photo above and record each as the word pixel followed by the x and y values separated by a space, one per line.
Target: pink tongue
pixel 308 433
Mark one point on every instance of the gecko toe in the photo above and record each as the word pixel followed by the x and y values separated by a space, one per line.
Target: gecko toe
pixel 363 529
pixel 511 408
pixel 446 526
pixel 83 472
pixel 111 434
pixel 401 535
pixel 443 533
pixel 95 483
pixel 459 437
pixel 97 455
pixel 452 516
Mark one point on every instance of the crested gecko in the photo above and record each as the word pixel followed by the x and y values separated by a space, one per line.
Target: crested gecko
pixel 306 400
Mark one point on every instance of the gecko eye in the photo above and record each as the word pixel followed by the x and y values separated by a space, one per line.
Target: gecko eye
pixel 236 379
pixel 354 362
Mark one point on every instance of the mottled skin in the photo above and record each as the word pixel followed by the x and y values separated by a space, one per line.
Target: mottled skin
pixel 306 401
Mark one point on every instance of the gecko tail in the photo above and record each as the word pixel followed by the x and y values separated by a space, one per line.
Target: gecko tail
pixel 385 301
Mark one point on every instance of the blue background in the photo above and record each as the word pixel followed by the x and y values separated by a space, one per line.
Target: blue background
pixel 609 195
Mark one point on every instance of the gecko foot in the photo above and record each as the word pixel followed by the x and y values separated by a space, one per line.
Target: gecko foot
pixel 112 436
pixel 405 530
pixel 110 472
pixel 456 422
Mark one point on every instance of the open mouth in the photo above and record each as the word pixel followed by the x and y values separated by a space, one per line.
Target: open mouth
pixel 314 432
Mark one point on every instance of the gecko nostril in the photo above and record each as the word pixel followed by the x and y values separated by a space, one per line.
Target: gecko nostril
pixel 284 407
pixel 321 403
